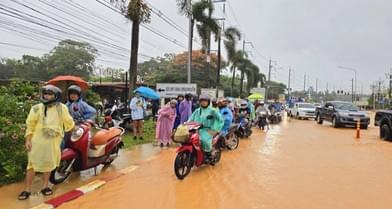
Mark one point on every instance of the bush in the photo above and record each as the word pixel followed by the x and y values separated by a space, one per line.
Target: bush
pixel 16 100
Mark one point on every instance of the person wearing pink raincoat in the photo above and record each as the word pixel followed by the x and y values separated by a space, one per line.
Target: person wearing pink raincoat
pixel 165 122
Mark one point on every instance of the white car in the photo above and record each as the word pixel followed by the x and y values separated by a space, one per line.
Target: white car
pixel 303 110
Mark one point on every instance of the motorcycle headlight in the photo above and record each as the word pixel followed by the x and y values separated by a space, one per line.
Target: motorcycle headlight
pixel 77 134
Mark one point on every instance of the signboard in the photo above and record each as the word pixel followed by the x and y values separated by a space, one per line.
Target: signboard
pixel 258 90
pixel 212 92
pixel 282 98
pixel 172 90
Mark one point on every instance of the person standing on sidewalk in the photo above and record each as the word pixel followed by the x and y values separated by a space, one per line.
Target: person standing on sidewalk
pixel 138 107
pixel 165 122
pixel 45 127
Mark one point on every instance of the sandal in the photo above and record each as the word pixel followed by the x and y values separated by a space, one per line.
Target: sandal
pixel 47 191
pixel 24 195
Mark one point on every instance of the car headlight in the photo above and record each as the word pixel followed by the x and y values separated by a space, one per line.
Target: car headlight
pixel 77 134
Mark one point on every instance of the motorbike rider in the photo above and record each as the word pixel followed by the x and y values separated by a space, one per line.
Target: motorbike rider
pixel 262 108
pixel 211 123
pixel 78 108
pixel 226 114
pixel 244 110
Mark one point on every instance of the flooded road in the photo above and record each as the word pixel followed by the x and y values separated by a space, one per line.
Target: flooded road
pixel 296 165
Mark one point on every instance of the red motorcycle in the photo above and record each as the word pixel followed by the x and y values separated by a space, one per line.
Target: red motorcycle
pixel 190 153
pixel 82 151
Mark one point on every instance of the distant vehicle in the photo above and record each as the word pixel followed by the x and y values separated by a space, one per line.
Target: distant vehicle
pixel 342 113
pixel 303 110
pixel 317 104
pixel 383 119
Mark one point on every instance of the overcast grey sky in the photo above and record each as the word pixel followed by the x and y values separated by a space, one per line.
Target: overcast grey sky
pixel 311 36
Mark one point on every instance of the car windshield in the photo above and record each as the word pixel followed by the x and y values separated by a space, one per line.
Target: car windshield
pixel 306 106
pixel 346 106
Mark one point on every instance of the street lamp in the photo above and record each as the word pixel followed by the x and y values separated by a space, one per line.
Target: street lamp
pixel 355 77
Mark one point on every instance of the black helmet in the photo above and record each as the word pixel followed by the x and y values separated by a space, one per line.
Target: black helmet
pixel 188 96
pixel 74 89
pixel 51 90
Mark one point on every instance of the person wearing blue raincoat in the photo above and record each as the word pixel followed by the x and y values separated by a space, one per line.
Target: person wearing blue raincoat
pixel 211 120
pixel 226 114
pixel 78 108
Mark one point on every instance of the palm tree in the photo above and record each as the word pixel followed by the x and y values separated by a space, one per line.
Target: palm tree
pixel 138 12
pixel 236 61
pixel 204 23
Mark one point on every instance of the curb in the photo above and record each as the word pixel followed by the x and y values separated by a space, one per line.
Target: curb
pixel 78 192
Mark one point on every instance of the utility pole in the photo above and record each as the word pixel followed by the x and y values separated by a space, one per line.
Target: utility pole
pixel 269 79
pixel 209 52
pixel 390 87
pixel 243 56
pixel 352 90
pixel 289 84
pixel 219 62
pixel 189 66
pixel 304 83
pixel 316 85
pixel 374 96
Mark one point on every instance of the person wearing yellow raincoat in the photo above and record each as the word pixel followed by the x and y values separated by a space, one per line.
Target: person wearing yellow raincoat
pixel 211 121
pixel 45 126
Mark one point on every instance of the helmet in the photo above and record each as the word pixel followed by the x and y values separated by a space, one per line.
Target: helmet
pixel 222 101
pixel 243 104
pixel 74 89
pixel 51 90
pixel 205 97
pixel 188 96
pixel 261 102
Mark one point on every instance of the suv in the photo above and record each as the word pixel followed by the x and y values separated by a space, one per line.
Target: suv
pixel 342 113
pixel 303 110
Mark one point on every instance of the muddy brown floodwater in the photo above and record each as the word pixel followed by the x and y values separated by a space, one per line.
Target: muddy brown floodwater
pixel 295 165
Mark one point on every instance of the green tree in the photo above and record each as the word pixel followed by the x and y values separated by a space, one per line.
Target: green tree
pixel 71 58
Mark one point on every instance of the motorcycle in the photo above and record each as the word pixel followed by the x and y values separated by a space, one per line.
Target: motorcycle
pixel 244 128
pixel 83 151
pixel 230 139
pixel 190 153
pixel 117 117
pixel 262 119
pixel 275 118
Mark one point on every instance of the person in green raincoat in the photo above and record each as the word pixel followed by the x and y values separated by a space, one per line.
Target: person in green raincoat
pixel 45 127
pixel 211 120
pixel 252 110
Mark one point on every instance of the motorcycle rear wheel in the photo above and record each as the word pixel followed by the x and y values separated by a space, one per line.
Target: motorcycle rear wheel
pixel 60 174
pixel 183 164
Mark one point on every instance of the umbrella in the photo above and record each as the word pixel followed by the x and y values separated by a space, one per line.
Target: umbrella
pixel 64 81
pixel 256 96
pixel 147 92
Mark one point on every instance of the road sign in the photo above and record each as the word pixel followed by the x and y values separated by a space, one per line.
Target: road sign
pixel 172 90
pixel 258 90
pixel 212 92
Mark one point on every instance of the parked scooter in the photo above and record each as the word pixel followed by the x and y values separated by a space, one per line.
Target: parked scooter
pixel 190 153
pixel 83 151
pixel 230 140
pixel 117 116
